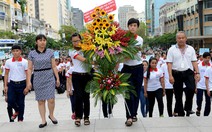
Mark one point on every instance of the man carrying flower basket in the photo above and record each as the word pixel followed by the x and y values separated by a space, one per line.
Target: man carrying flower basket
pixel 135 68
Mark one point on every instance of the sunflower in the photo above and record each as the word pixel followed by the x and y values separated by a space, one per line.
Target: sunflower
pixel 107 25
pixel 103 13
pixel 97 9
pixel 93 15
pixel 104 27
pixel 96 28
pixel 98 20
pixel 101 24
pixel 111 17
pixel 94 23
pixel 104 20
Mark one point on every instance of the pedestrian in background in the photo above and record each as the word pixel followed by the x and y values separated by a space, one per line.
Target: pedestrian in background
pixel 154 87
pixel 201 87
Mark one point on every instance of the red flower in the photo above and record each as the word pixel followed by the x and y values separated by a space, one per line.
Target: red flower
pixel 124 44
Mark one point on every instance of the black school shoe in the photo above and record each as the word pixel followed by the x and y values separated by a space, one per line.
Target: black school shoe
pixel 43 125
pixel 54 122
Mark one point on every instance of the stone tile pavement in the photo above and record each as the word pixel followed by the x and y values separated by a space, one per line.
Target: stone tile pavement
pixel 98 123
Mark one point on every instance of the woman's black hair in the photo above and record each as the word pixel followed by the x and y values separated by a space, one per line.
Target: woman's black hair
pixel 149 66
pixel 146 62
pixel 76 35
pixel 38 37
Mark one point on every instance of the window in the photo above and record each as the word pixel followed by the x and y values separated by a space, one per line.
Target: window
pixel 192 32
pixel 208 3
pixel 196 31
pixel 208 17
pixel 196 20
pixel 191 22
pixel 208 30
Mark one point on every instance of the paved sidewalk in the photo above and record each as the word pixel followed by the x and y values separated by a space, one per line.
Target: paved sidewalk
pixel 98 123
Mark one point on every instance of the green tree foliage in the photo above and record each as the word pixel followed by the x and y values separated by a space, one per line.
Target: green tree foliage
pixel 68 30
pixel 166 40
pixel 8 35
pixel 23 4
pixel 142 30
pixel 28 41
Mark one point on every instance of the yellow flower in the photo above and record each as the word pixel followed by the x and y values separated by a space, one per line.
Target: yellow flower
pixel 93 15
pixel 104 20
pixel 111 17
pixel 96 28
pixel 111 32
pixel 98 20
pixel 94 24
pixel 103 13
pixel 97 9
pixel 116 43
pixel 114 28
pixel 100 24
pixel 107 25
pixel 104 27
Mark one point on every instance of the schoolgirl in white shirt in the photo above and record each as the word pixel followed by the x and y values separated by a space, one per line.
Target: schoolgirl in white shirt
pixel 154 86
pixel 80 78
pixel 168 89
pixel 201 85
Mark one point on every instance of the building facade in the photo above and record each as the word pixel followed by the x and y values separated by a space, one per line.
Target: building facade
pixel 53 13
pixel 123 15
pixel 192 16
pixel 77 19
pixel 152 9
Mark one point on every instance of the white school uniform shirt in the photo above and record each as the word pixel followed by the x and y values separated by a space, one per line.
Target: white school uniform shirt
pixel 176 58
pixel 68 74
pixel 164 69
pixel 208 74
pixel 58 67
pixel 3 70
pixel 78 66
pixel 153 83
pixel 138 55
pixel 17 69
pixel 202 68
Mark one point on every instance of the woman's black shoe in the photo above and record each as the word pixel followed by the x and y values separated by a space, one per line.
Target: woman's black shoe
pixel 54 122
pixel 42 125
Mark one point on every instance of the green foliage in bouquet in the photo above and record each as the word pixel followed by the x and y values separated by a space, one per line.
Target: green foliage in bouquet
pixel 107 83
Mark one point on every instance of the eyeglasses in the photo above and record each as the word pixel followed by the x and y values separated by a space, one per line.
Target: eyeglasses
pixel 76 41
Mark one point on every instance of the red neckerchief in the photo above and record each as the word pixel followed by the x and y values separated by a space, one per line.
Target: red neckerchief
pixel 156 69
pixel 203 64
pixel 19 59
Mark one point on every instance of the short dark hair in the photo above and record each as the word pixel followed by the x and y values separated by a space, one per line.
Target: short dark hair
pixel 16 47
pixel 40 36
pixel 206 54
pixel 133 20
pixel 76 35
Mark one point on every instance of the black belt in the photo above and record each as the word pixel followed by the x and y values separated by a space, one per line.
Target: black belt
pixel 132 67
pixel 45 69
pixel 78 73
pixel 18 82
pixel 175 71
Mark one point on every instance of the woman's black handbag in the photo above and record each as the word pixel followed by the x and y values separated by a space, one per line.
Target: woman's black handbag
pixel 61 89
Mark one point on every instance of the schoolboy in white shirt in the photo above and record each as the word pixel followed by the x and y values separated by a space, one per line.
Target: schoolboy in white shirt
pixel 16 89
